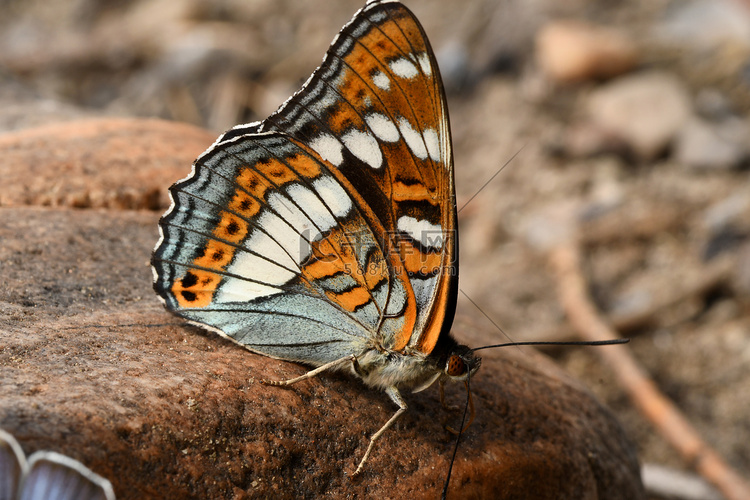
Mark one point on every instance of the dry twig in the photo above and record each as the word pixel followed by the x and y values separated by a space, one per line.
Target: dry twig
pixel 565 258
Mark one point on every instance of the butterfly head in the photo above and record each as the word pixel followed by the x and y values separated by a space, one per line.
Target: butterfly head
pixel 461 363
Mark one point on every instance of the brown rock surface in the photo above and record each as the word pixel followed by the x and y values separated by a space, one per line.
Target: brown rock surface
pixel 116 163
pixel 93 367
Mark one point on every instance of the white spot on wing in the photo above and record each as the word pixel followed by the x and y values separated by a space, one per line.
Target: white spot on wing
pixel 432 143
pixel 381 80
pixel 293 215
pixel 382 127
pixel 286 237
pixel 424 63
pixel 404 68
pixel 315 210
pixel 329 148
pixel 333 195
pixel 364 146
pixel 262 244
pixel 413 139
pixel 257 268
pixel 426 233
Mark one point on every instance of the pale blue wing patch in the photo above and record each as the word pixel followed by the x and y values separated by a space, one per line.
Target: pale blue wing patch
pixel 292 326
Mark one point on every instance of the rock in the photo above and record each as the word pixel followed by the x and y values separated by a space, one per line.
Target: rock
pixel 118 163
pixel 703 25
pixel 93 367
pixel 713 105
pixel 645 110
pixel 727 225
pixel 727 211
pixel 21 107
pixel 709 41
pixel 585 139
pixel 571 50
pixel 722 242
pixel 705 145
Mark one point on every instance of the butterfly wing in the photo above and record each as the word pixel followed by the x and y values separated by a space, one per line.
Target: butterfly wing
pixel 329 227
pixel 51 475
pixel 376 109
pixel 266 244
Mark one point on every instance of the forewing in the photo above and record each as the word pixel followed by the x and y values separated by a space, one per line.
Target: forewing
pixel 329 227
pixel 376 111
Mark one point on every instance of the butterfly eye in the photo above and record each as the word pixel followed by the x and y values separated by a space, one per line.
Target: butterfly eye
pixel 455 367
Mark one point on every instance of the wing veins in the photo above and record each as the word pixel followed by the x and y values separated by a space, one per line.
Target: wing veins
pixel 289 315
pixel 255 225
pixel 337 219
pixel 315 295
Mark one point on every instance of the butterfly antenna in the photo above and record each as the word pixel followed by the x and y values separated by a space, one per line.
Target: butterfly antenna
pixel 579 342
pixel 484 314
pixel 537 343
pixel 491 178
pixel 458 438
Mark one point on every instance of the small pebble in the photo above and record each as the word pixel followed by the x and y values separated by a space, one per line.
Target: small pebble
pixel 703 25
pixel 570 51
pixel 726 211
pixel 646 111
pixel 705 145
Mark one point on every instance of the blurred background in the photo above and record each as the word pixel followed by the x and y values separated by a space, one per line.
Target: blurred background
pixel 631 116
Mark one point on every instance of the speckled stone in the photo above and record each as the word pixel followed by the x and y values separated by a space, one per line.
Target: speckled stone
pixel 106 162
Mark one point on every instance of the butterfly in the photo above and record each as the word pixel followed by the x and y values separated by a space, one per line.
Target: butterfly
pixel 326 234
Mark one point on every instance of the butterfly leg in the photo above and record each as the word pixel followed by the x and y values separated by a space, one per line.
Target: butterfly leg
pixel 328 366
pixel 356 366
pixel 442 398
pixel 396 398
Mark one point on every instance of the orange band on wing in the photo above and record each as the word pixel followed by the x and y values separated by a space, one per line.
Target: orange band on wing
pixel 412 192
pixel 196 288
pixel 351 299
pixel 305 165
pixel 216 255
pixel 415 261
pixel 279 173
pixel 231 228
pixel 244 204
